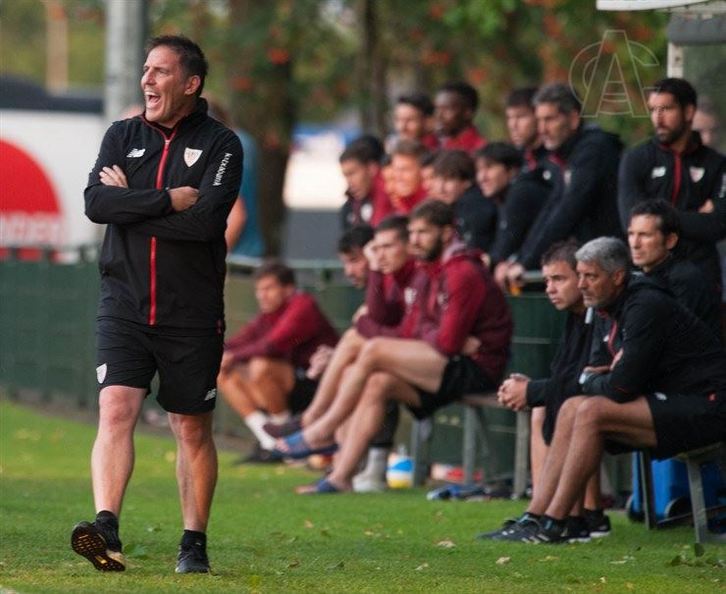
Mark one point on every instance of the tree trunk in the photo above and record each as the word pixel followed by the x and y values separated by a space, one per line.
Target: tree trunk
pixel 264 107
pixel 371 71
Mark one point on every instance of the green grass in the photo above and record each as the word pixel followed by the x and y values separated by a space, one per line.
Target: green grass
pixel 264 538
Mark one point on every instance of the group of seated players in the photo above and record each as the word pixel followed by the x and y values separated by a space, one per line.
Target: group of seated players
pixel 436 239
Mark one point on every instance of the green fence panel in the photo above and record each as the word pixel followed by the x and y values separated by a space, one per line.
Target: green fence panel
pixel 47 313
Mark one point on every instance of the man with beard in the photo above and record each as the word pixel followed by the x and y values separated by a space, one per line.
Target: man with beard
pixel 454 340
pixel 675 165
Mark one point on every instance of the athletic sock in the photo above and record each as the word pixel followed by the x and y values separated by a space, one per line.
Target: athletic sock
pixel 376 463
pixel 108 518
pixel 281 417
pixel 255 422
pixel 192 538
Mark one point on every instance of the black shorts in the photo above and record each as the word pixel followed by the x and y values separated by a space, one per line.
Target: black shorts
pixel 129 354
pixel 303 392
pixel 461 376
pixel 686 421
pixel 682 422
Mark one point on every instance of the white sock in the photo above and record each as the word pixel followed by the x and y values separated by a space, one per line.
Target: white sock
pixel 281 417
pixel 377 463
pixel 255 421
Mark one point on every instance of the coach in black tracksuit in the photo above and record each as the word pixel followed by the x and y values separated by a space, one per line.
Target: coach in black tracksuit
pixel 672 358
pixel 161 268
pixel 677 167
pixel 164 183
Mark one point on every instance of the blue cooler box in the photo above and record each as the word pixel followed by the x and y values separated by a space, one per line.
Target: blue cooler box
pixel 670 488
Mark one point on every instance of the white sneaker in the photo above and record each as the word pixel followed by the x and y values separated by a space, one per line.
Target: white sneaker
pixel 365 483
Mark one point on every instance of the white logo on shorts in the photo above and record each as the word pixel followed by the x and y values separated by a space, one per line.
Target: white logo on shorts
pixel 101 372
pixel 211 394
pixel 661 396
pixel 658 172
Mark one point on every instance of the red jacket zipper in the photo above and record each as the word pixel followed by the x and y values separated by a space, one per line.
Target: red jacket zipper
pixel 152 241
pixel 677 174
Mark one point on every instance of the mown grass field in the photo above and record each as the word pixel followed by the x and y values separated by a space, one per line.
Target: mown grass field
pixel 264 538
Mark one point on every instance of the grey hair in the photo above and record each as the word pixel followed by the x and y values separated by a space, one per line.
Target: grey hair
pixel 560 95
pixel 609 253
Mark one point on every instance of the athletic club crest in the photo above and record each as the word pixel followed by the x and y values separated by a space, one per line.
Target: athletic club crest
pixel 697 173
pixel 191 156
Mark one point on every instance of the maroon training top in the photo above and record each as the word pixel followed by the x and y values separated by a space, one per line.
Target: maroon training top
pixel 293 333
pixel 460 299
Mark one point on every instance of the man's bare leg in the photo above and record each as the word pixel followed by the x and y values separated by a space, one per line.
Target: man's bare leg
pixel 344 354
pixel 596 418
pixel 413 361
pixel 537 446
pixel 112 462
pixel 555 458
pixel 271 381
pixel 366 421
pixel 112 457
pixel 196 467
pixel 261 384
pixel 234 391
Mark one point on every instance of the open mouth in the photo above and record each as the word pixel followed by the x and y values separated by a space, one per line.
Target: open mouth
pixel 152 99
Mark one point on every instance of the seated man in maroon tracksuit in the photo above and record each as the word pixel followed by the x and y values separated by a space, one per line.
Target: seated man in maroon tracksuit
pixel 262 375
pixel 454 340
pixel 390 272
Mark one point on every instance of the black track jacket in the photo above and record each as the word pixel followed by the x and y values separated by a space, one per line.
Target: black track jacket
pixel 159 267
pixel 586 205
pixel 666 348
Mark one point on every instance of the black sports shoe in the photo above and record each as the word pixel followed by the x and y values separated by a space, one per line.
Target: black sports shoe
pixel 545 530
pixel 192 558
pixel 259 455
pixel 510 526
pixel 520 531
pixel 577 530
pixel 597 522
pixel 508 523
pixel 99 543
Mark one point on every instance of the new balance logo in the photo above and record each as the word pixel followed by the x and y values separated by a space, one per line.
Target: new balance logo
pixel 136 153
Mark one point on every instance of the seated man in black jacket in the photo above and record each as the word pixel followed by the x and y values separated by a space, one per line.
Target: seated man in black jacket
pixel 665 389
pixel 653 234
pixel 519 193
pixel 545 396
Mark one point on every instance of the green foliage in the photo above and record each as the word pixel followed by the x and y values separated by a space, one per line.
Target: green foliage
pixel 264 538
pixel 23 39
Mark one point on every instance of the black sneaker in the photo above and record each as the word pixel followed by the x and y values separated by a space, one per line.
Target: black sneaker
pixel 100 544
pixel 507 525
pixel 259 455
pixel 577 530
pixel 513 526
pixel 521 531
pixel 550 531
pixel 597 522
pixel 545 530
pixel 192 558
